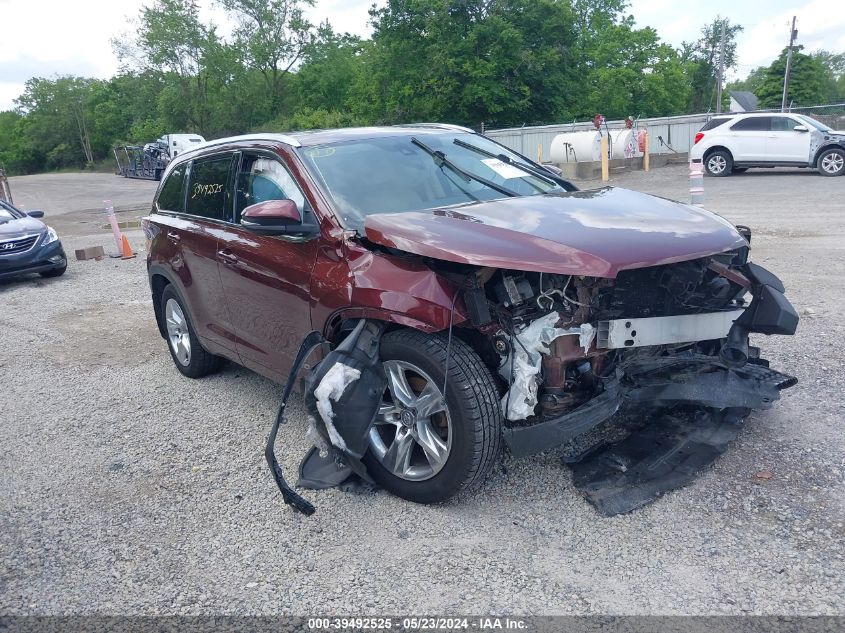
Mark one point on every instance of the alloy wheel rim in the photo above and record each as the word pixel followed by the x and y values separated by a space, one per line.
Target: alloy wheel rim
pixel 412 434
pixel 832 163
pixel 717 164
pixel 177 332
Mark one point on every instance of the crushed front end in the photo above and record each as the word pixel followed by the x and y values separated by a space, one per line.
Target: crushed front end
pixel 666 343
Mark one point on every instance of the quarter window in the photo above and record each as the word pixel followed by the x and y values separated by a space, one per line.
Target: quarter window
pixel 172 194
pixel 208 189
pixel 261 179
pixel 714 123
pixel 752 124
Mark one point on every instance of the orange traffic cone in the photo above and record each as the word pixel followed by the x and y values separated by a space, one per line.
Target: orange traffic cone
pixel 127 250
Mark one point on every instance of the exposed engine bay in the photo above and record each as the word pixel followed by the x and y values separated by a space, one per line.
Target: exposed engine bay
pixel 666 343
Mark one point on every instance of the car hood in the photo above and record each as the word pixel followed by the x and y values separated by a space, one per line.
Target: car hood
pixel 595 233
pixel 22 226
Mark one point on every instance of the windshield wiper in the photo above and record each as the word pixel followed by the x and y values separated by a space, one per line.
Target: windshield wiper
pixel 540 173
pixel 440 160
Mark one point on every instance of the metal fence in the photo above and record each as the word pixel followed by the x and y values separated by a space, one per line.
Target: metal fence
pixel 832 115
pixel 667 135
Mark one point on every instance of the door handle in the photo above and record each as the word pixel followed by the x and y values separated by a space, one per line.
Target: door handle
pixel 174 237
pixel 227 257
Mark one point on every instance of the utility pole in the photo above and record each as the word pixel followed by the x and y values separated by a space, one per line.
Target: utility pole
pixel 792 35
pixel 721 68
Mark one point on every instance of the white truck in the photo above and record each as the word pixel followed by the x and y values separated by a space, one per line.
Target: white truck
pixel 148 161
pixel 178 143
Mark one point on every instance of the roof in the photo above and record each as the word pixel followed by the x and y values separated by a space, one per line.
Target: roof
pixel 319 137
pixel 747 100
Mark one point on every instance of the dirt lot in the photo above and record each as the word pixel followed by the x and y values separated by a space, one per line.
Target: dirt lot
pixel 128 489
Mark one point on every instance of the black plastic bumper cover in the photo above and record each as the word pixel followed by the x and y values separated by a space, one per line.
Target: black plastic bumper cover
pixel 693 379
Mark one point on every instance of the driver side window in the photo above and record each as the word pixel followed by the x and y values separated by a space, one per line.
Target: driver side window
pixel 262 178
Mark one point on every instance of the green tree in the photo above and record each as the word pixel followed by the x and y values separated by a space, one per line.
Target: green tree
pixel 271 37
pixel 173 41
pixel 59 118
pixel 469 61
pixel 702 61
pixel 751 83
pixel 807 81
pixel 332 65
pixel 834 65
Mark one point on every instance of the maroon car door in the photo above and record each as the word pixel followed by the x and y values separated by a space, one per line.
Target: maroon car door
pixel 191 208
pixel 266 279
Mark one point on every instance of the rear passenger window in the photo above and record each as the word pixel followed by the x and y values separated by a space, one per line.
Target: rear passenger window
pixel 208 193
pixel 172 192
pixel 752 124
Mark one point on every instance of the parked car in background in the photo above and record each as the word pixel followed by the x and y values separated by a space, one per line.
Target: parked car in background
pixel 27 245
pixel 734 143
pixel 505 304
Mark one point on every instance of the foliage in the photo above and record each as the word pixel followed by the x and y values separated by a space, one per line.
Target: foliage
pixel 475 62
pixel 807 81
pixel 702 63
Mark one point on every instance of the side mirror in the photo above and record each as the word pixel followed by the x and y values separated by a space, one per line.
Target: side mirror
pixel 35 214
pixel 801 128
pixel 275 217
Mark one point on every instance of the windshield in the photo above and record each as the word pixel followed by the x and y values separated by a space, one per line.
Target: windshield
pixel 8 212
pixel 417 172
pixel 819 126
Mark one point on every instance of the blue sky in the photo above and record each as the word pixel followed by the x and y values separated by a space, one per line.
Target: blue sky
pixel 75 41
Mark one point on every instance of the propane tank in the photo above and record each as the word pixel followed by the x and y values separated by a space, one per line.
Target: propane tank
pixel 696 182
pixel 641 140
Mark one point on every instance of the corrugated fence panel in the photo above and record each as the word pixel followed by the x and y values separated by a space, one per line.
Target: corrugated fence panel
pixel 665 133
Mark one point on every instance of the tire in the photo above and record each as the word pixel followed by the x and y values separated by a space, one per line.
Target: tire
pixel 469 426
pixel 56 272
pixel 832 162
pixel 188 354
pixel 718 163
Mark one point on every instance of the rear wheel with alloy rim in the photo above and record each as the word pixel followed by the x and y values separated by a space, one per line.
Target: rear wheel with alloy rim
pixel 719 163
pixel 187 352
pixel 832 162
pixel 424 446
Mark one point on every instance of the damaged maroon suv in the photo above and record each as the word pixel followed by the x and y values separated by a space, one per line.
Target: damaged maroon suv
pixel 457 297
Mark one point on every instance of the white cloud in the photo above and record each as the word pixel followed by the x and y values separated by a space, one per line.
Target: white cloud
pixel 45 38
pixel 820 24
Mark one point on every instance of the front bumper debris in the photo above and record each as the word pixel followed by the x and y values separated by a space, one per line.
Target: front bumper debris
pixel 662 381
pixel 667 453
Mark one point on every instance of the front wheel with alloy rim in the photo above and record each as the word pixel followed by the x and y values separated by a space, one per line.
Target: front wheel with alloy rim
pixel 187 352
pixel 426 447
pixel 719 163
pixel 832 162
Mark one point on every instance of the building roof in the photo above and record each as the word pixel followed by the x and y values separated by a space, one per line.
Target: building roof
pixel 746 100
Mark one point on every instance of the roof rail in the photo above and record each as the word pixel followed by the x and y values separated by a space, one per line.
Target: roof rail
pixel 261 136
pixel 443 126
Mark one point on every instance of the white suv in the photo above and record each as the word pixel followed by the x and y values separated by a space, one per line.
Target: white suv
pixel 733 143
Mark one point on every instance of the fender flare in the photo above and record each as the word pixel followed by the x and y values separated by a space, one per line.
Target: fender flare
pixel 830 143
pixel 154 270
pixel 334 325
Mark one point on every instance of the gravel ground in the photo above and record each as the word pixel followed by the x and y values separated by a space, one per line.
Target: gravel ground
pixel 128 489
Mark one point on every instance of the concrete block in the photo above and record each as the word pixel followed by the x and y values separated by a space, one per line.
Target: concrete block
pixel 91 252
